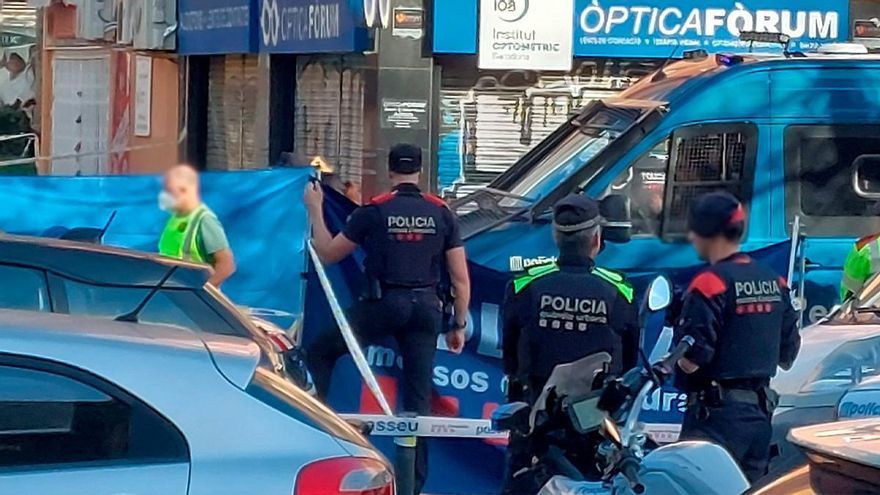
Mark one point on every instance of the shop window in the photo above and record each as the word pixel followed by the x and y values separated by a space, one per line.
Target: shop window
pixel 49 418
pixel 819 164
pixel 644 184
pixel 707 158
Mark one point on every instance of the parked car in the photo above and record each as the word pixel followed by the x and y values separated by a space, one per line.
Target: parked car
pixel 69 277
pixel 92 406
pixel 839 355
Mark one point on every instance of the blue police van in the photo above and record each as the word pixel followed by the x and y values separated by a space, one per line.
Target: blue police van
pixel 796 137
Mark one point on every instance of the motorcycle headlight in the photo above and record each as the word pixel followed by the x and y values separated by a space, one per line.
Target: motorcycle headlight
pixel 612 431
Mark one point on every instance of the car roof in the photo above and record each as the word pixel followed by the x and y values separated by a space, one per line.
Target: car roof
pixel 101 265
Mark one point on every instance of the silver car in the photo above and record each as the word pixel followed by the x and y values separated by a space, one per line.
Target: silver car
pixel 91 406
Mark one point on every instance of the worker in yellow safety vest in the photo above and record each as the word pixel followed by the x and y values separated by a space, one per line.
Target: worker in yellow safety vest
pixel 862 262
pixel 193 232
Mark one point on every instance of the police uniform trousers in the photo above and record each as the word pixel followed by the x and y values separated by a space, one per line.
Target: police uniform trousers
pixel 743 428
pixel 413 317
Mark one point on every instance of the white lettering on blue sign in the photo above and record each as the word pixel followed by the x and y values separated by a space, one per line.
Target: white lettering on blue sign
pixel 314 22
pixel 216 18
pixel 672 21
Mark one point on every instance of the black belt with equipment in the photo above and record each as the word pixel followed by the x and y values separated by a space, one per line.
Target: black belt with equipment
pixel 715 394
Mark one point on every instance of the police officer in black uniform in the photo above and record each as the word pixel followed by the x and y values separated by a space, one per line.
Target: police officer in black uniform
pixel 740 315
pixel 564 311
pixel 409 237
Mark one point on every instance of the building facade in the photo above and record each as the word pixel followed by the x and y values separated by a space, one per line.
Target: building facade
pixel 109 87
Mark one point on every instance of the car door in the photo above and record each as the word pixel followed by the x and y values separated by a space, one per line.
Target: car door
pixel 66 431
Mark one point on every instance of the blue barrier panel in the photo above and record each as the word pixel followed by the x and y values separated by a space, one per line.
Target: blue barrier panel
pixel 262 212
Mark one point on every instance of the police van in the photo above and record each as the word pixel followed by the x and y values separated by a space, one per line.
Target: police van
pixel 794 136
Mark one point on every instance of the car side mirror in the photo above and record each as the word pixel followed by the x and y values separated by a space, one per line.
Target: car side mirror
pixel 866 176
pixel 618 220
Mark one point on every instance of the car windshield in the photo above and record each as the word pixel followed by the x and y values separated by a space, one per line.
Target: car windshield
pixel 863 307
pixel 590 135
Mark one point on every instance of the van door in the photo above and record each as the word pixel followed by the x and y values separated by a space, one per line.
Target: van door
pixel 63 431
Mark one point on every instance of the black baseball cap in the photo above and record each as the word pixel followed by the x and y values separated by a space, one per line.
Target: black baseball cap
pixel 405 159
pixel 712 213
pixel 575 212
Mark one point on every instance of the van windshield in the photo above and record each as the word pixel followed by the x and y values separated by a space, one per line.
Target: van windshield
pixel 590 134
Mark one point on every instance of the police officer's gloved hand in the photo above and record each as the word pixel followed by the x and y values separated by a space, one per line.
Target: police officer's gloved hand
pixel 515 389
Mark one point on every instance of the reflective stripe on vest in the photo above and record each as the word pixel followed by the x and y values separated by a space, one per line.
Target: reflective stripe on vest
pixel 626 290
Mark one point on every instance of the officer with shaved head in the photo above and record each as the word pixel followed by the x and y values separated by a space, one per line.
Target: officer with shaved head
pixel 193 232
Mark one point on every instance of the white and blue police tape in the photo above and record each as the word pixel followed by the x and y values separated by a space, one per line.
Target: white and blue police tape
pixel 426 426
pixel 350 341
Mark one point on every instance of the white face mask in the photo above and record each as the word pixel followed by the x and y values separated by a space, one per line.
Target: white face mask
pixel 167 202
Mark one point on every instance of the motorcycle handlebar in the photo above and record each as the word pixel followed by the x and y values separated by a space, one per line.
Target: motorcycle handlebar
pixel 629 468
pixel 666 366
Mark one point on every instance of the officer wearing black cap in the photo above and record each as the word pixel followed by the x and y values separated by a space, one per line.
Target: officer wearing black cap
pixel 409 237
pixel 561 312
pixel 740 315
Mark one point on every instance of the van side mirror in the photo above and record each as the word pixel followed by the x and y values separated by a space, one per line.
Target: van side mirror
pixel 618 220
pixel 866 176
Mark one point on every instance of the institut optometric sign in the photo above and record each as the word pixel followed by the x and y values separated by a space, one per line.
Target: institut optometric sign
pixel 525 34
pixel 659 27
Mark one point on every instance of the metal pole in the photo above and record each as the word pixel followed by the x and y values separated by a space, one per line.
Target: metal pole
pixel 350 340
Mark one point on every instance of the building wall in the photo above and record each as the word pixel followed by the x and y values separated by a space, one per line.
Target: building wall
pixel 121 152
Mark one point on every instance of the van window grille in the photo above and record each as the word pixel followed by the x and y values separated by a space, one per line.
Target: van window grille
pixel 705 163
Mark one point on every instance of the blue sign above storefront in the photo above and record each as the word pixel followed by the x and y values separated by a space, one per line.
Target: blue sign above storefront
pixel 209 27
pixel 660 28
pixel 312 26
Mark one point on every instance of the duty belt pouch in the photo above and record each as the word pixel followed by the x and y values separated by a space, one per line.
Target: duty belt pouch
pixel 770 399
pixel 713 395
pixel 374 289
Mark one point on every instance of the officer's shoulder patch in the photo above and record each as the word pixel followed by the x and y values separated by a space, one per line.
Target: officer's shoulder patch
pixel 382 198
pixel 864 241
pixel 708 283
pixel 434 199
pixel 532 274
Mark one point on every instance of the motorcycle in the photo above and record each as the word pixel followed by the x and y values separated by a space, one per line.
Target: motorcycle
pixel 579 404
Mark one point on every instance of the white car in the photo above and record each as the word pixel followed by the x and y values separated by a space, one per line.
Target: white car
pixel 91 406
pixel 837 355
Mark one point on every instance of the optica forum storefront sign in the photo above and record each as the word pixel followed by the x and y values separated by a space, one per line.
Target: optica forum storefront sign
pixel 312 26
pixel 660 28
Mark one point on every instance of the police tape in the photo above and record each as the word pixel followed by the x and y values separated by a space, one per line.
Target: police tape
pixel 426 426
pixel 351 342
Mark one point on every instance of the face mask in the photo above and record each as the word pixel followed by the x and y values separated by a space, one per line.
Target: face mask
pixel 167 202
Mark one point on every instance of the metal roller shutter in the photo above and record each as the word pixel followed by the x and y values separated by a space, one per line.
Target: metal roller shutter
pixel 490 120
pixel 233 93
pixel 330 114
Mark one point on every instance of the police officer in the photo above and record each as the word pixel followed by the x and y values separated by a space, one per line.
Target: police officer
pixel 740 315
pixel 862 262
pixel 564 311
pixel 409 237
pixel 561 312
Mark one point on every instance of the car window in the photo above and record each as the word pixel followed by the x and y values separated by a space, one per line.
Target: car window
pixel 23 288
pixel 183 308
pixel 52 418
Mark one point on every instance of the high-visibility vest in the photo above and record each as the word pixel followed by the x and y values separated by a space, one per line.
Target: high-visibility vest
pixel 179 239
pixel 862 262
pixel 616 279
